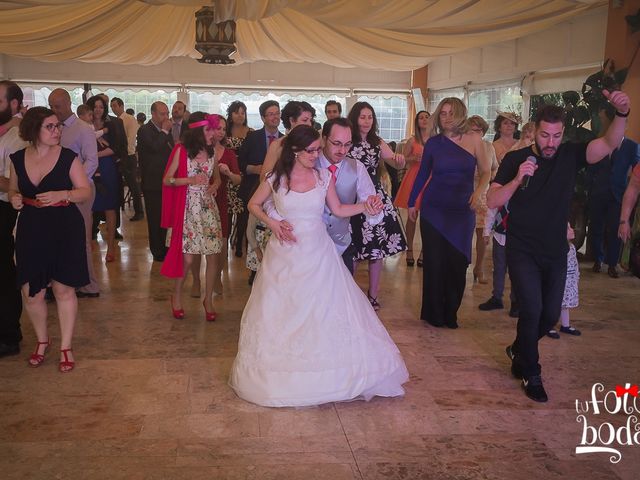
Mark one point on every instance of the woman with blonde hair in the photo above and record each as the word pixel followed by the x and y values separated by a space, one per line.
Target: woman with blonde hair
pixel 447 218
pixel 479 126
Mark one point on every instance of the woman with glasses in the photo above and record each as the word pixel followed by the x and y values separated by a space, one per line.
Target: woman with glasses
pixel 45 183
pixel 308 335
pixel 374 242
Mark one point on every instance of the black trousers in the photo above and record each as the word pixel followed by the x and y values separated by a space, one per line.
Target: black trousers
pixel 443 278
pixel 10 298
pixel 157 235
pixel 130 179
pixel 604 219
pixel 241 229
pixel 347 257
pixel 539 285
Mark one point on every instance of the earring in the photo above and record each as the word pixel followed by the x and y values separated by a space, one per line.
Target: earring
pixel 295 155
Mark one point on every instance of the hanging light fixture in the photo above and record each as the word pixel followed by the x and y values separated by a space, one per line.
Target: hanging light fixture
pixel 215 41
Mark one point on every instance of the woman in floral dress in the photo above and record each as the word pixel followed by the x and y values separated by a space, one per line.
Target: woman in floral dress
pixel 374 242
pixel 189 209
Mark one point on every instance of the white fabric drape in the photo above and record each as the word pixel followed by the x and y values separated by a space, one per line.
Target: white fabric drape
pixel 392 34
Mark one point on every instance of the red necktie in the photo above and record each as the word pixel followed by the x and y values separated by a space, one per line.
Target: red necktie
pixel 271 139
pixel 333 169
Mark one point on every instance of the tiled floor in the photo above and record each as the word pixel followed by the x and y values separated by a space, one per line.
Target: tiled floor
pixel 149 397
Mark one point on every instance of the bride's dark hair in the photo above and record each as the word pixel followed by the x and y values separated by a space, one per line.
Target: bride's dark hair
pixel 297 140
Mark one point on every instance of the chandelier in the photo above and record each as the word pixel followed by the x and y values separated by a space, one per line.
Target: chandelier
pixel 215 41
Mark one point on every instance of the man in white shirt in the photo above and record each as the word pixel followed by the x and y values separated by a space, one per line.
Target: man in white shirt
pixel 10 299
pixel 353 185
pixel 129 163
pixel 79 137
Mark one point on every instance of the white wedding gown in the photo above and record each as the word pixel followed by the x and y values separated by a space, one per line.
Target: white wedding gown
pixel 308 334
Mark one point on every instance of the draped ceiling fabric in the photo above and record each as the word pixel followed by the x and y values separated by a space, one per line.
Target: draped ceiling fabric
pixel 381 34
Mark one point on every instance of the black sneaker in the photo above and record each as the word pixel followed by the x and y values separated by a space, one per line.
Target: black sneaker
pixel 515 369
pixel 570 331
pixel 534 389
pixel 492 304
pixel 553 334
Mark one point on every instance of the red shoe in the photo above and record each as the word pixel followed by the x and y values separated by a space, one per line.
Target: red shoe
pixel 66 365
pixel 36 359
pixel 209 316
pixel 177 314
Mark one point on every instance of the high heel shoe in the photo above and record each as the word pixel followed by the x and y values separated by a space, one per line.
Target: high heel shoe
pixel 36 359
pixel 177 314
pixel 374 302
pixel 66 365
pixel 410 261
pixel 209 316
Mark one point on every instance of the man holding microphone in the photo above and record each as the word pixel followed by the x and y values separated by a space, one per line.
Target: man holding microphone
pixel 538 182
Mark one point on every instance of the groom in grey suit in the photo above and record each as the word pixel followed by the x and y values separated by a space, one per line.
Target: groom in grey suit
pixel 353 185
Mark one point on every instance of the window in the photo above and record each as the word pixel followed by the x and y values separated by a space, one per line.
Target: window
pixel 486 101
pixel 391 113
pixel 435 96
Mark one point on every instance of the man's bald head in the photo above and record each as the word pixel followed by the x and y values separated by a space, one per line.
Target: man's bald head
pixel 60 103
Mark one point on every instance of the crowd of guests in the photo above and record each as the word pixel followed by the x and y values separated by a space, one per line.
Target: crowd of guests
pixel 199 172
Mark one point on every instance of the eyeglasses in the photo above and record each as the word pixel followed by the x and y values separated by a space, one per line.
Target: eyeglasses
pixel 52 126
pixel 347 145
pixel 312 151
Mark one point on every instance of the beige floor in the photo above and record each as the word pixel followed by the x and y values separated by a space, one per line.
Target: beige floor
pixel 149 397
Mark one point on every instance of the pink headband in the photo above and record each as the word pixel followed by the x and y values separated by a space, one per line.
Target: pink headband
pixel 211 121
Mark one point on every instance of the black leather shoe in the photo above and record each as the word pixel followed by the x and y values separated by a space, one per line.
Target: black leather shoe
pixel 492 304
pixel 613 272
pixel 80 294
pixel 136 217
pixel 534 389
pixel 597 267
pixel 8 349
pixel 514 311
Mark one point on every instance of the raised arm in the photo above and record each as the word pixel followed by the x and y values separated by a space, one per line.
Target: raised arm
pixel 339 209
pixel 603 146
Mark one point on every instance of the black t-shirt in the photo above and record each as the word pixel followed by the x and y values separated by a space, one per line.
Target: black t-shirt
pixel 538 215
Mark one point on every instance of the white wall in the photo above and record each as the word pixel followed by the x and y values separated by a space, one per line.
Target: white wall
pixel 178 71
pixel 574 44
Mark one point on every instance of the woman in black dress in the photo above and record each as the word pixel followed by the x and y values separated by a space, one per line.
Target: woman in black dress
pixel 46 181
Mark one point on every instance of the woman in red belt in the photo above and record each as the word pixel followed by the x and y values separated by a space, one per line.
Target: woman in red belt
pixel 46 181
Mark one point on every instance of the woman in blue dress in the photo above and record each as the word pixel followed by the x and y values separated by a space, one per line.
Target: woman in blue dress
pixel 447 210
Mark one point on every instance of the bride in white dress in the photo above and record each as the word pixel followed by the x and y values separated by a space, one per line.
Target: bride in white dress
pixel 308 334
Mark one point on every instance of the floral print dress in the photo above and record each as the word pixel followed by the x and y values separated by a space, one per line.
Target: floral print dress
pixel 202 233
pixel 373 242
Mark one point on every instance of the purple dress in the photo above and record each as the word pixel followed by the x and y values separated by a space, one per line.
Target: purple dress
pixel 445 203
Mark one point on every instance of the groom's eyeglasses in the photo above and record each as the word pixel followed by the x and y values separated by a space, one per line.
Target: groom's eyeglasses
pixel 346 146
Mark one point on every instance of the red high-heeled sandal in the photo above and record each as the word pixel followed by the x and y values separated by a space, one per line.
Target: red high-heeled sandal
pixel 66 365
pixel 36 359
pixel 177 314
pixel 209 316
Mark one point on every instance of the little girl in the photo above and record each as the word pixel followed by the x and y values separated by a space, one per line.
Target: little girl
pixel 258 235
pixel 570 299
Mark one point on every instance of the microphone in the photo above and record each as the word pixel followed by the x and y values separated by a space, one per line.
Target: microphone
pixel 525 180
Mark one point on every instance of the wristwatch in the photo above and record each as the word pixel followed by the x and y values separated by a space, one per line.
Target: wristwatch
pixel 172 181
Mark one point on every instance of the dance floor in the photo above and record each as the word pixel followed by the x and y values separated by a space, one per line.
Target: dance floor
pixel 149 396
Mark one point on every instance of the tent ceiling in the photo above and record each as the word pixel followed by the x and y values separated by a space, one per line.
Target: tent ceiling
pixel 381 34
